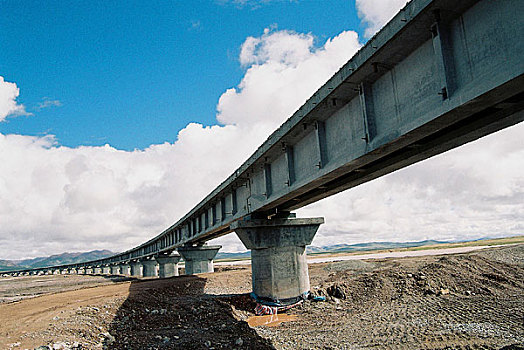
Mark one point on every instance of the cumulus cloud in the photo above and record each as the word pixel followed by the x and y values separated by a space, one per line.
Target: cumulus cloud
pixel 376 13
pixel 8 105
pixel 283 70
pixel 55 198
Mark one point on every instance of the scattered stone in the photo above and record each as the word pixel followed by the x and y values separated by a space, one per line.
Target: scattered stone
pixel 163 311
pixel 154 312
pixel 207 343
pixel 443 291
pixel 239 342
pixel 409 275
pixel 43 347
pixel 60 346
pixel 108 338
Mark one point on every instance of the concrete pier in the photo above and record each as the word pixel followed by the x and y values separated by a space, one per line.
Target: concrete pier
pixel 125 269
pixel 199 259
pixel 89 270
pixel 149 268
pixel 278 254
pixel 168 265
pixel 97 270
pixel 106 270
pixel 115 269
pixel 136 268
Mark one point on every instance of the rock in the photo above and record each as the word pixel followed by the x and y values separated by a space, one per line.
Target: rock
pixel 409 275
pixel 60 346
pixel 336 291
pixel 166 340
pixel 108 338
pixel 239 342
pixel 154 312
pixel 163 311
pixel 56 318
pixel 468 292
pixel 207 343
pixel 443 291
pixel 43 347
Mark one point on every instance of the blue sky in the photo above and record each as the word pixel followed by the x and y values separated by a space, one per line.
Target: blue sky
pixel 132 74
pixel 109 131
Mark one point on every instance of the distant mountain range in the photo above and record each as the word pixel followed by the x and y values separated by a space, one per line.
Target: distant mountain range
pixel 339 248
pixel 71 258
pixel 53 260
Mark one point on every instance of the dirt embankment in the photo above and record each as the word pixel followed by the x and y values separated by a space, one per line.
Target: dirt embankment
pixel 464 301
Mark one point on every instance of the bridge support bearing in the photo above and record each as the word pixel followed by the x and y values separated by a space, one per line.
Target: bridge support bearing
pixel 149 268
pixel 167 265
pixel 136 268
pixel 199 259
pixel 278 255
pixel 125 269
pixel 115 269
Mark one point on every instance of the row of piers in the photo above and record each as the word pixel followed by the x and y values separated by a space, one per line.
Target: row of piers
pixel 278 258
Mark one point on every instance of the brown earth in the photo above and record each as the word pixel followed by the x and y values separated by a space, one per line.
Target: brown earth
pixel 462 301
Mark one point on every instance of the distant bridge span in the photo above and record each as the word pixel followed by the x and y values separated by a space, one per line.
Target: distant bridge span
pixel 440 74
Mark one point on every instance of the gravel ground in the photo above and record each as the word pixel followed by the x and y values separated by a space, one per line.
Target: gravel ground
pixel 462 301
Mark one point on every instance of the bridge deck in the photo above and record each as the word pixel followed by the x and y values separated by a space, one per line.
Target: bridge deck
pixel 440 74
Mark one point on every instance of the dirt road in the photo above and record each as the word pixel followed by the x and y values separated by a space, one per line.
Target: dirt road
pixel 465 301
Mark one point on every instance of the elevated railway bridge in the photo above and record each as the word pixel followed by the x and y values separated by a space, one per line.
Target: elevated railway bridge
pixel 440 74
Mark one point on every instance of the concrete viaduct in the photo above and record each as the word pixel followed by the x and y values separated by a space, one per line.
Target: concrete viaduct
pixel 440 74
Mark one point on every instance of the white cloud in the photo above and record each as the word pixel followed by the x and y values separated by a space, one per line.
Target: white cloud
pixel 284 70
pixel 47 103
pixel 376 13
pixel 8 106
pixel 55 199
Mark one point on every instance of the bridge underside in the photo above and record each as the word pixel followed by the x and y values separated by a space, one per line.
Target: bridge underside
pixel 440 74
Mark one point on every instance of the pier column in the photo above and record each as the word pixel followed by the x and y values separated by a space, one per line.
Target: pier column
pixel 97 270
pixel 149 267
pixel 125 269
pixel 81 271
pixel 199 259
pixel 89 270
pixel 115 269
pixel 136 268
pixel 106 270
pixel 168 265
pixel 278 255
